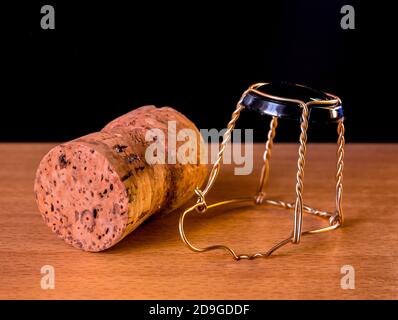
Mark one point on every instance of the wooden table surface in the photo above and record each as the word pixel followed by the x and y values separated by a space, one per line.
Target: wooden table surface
pixel 153 263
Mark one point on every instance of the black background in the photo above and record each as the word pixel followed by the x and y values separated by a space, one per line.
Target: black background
pixel 102 60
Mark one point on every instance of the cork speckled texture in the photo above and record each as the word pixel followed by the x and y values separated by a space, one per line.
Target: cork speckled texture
pixel 95 190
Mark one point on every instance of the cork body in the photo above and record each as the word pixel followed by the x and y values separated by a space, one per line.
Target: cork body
pixel 95 190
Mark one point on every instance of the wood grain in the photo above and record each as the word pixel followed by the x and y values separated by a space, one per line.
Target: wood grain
pixel 152 262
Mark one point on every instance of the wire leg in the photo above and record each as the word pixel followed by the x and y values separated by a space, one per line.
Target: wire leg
pixel 259 198
pixel 339 174
pixel 298 209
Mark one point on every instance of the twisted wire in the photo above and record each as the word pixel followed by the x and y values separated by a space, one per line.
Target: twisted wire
pixel 298 211
pixel 266 157
pixel 339 174
pixel 226 137
pixel 291 205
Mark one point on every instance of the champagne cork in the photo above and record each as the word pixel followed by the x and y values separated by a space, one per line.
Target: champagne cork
pixel 95 190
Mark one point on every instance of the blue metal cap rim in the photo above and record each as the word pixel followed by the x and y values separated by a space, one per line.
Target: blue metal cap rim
pixel 282 100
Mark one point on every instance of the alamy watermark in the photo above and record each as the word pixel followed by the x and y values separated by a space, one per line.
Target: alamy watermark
pixel 348 19
pixel 47 20
pixel 48 17
pixel 186 146
pixel 47 280
pixel 348 280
